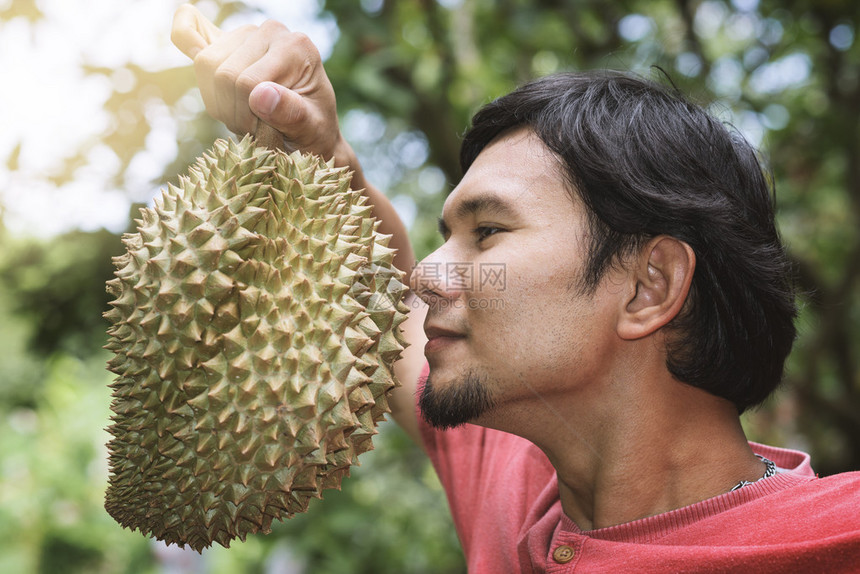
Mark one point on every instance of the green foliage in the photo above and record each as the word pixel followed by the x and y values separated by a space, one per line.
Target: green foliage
pixel 53 476
pixel 21 373
pixel 59 287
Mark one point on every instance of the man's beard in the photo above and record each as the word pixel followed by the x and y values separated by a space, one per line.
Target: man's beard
pixel 461 401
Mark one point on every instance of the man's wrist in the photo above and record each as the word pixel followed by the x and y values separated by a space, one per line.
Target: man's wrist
pixel 344 156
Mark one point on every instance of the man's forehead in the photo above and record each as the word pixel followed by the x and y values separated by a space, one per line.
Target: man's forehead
pixel 510 170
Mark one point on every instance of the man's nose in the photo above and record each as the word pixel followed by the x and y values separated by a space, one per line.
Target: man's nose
pixel 436 277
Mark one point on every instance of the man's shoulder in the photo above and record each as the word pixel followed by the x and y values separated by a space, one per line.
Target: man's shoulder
pixel 797 491
pixel 829 495
pixel 806 489
pixel 792 508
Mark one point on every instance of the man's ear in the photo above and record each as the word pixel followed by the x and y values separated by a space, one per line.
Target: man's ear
pixel 663 273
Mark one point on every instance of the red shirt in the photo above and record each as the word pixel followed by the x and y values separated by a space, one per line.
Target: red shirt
pixel 503 494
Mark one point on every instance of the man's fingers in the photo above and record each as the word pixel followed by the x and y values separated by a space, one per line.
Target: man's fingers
pixel 192 31
pixel 217 81
pixel 234 79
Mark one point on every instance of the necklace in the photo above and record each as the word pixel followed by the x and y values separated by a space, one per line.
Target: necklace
pixel 770 470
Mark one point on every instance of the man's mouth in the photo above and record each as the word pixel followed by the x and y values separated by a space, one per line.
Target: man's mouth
pixel 438 338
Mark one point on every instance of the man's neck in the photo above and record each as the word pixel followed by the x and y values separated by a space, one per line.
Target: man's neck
pixel 671 446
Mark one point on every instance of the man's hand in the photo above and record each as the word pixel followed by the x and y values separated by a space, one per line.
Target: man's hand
pixel 265 72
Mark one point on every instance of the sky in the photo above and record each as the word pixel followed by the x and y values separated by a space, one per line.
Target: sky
pixel 49 107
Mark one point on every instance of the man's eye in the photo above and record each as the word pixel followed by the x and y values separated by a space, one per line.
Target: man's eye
pixel 486 231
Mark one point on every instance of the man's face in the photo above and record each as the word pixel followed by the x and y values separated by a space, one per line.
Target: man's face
pixel 507 326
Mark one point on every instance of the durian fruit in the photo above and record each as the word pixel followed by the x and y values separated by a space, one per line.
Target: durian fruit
pixel 255 326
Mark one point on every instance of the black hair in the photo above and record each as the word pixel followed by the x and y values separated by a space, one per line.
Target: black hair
pixel 646 162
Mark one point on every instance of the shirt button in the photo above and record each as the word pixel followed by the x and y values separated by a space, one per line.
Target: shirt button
pixel 563 554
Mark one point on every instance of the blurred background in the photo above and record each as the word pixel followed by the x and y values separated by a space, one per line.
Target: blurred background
pixel 98 110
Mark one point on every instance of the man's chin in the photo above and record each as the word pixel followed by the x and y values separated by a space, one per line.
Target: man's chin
pixel 454 403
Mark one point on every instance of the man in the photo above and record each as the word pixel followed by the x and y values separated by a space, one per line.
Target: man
pixel 646 302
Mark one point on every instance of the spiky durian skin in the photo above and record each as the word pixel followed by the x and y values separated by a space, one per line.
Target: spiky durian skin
pixel 255 325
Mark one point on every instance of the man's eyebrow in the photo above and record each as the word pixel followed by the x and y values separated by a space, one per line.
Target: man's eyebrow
pixel 490 204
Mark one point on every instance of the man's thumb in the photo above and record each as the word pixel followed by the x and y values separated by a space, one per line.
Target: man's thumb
pixel 275 104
